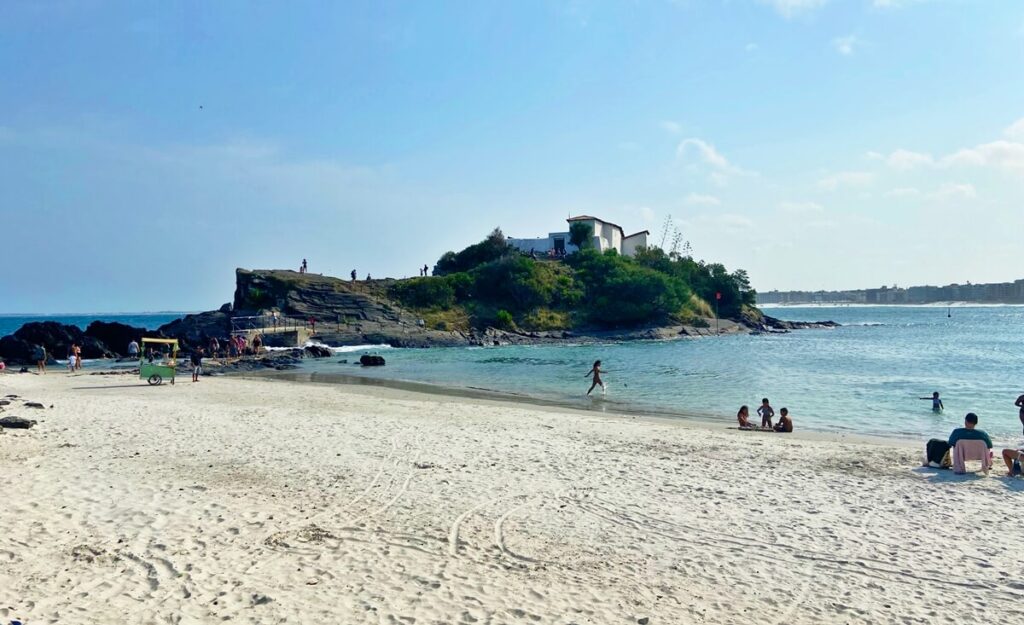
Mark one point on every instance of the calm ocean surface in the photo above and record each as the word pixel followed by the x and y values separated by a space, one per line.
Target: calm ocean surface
pixel 864 377
pixel 150 321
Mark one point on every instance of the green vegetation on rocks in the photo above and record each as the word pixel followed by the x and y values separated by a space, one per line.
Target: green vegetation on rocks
pixel 491 283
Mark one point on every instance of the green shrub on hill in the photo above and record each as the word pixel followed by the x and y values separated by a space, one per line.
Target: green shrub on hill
pixel 424 293
pixel 618 291
pixel 493 247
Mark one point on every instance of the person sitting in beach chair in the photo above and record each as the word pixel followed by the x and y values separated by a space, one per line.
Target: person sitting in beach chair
pixel 970 443
pixel 785 424
pixel 743 417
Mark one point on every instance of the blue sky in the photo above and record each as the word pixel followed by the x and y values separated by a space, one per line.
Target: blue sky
pixel 149 148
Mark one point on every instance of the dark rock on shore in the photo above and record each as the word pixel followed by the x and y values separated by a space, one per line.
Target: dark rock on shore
pixel 56 337
pixel 368 360
pixel 16 423
pixel 116 336
pixel 197 330
pixel 317 351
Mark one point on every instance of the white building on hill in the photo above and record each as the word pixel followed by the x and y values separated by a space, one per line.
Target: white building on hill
pixel 607 236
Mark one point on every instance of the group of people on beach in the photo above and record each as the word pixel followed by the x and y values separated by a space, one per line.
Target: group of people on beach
pixel 767 413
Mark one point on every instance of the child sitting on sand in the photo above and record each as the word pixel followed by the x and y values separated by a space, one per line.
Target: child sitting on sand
pixel 766 412
pixel 743 417
pixel 785 424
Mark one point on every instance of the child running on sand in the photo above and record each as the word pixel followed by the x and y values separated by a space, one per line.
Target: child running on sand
pixel 766 412
pixel 785 424
pixel 596 372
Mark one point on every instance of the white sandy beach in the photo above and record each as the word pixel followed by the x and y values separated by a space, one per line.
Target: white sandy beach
pixel 253 501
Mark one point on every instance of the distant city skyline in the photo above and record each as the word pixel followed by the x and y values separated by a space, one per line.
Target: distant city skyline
pixel 1011 292
pixel 149 149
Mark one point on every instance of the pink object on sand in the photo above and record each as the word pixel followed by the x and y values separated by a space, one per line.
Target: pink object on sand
pixel 971 450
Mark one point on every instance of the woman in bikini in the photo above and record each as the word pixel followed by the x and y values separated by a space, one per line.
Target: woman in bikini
pixel 596 372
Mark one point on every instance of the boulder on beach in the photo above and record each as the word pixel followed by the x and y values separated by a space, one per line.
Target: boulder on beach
pixel 317 351
pixel 16 423
pixel 368 360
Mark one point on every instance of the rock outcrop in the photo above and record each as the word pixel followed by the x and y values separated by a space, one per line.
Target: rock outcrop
pixel 56 337
pixel 116 336
pixel 197 330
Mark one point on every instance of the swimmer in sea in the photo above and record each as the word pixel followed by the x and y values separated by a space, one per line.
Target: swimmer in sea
pixel 596 372
pixel 936 402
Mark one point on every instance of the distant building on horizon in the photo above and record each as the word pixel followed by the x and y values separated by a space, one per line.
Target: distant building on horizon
pixel 607 236
pixel 993 293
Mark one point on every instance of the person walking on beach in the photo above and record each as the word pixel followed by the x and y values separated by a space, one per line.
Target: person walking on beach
pixel 71 361
pixel 937 403
pixel 40 355
pixel 1020 404
pixel 133 350
pixel 596 372
pixel 766 412
pixel 197 363
pixel 78 355
pixel 785 424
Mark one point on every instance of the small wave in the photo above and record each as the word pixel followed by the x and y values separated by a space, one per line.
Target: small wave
pixel 346 349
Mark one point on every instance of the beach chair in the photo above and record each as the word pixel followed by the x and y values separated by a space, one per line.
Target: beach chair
pixel 971 450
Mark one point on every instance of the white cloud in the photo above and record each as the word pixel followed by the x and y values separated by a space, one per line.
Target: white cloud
pixel 954 191
pixel 847 45
pixel 845 179
pixel 903 192
pixel 907 159
pixel 646 214
pixel 799 208
pixel 705 152
pixel 1000 154
pixel 1016 130
pixel 671 127
pixel 792 8
pixel 699 199
pixel 734 222
pixel 750 47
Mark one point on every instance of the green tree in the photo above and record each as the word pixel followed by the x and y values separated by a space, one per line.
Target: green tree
pixel 581 234
pixel 493 247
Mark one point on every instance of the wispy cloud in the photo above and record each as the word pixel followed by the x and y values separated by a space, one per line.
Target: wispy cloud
pixel 1015 131
pixel 1005 154
pixel 792 8
pixel 954 191
pixel 751 47
pixel 700 199
pixel 847 44
pixel 693 150
pixel 846 179
pixel 801 208
pixel 671 127
pixel 903 192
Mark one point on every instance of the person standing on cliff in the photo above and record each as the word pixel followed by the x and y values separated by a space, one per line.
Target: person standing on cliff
pixel 353 275
pixel 304 266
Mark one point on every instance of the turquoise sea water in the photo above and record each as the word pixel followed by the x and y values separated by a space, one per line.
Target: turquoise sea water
pixel 150 321
pixel 864 377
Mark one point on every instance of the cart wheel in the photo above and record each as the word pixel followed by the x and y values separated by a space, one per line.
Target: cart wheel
pixel 155 379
